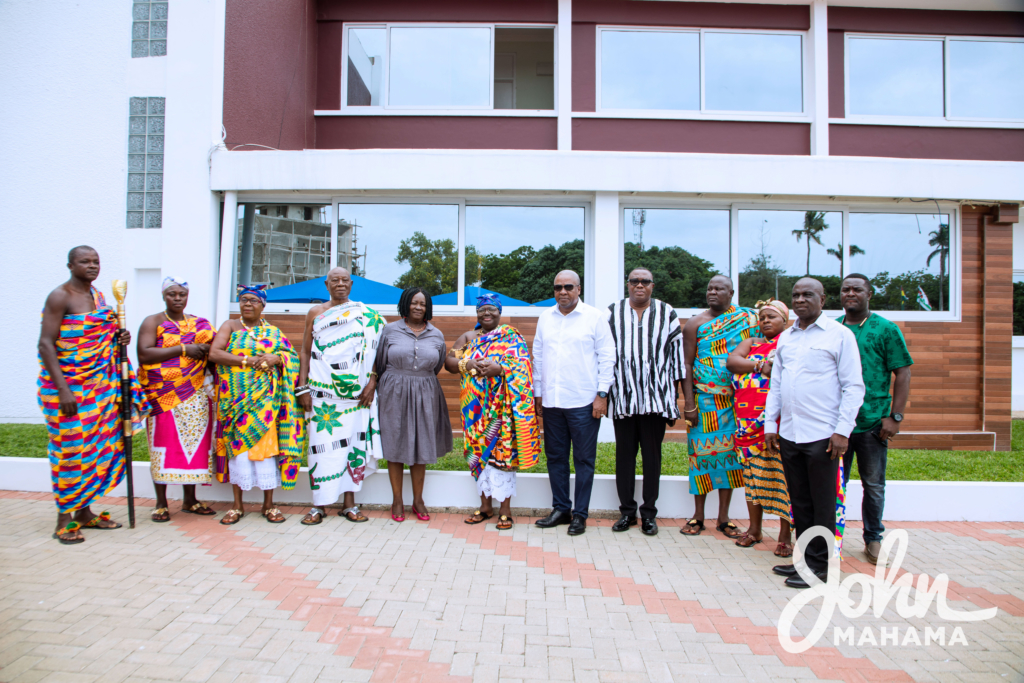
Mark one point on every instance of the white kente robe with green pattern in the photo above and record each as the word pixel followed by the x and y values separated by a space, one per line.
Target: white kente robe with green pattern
pixel 344 438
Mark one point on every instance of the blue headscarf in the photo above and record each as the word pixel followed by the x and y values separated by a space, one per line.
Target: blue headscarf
pixel 489 299
pixel 259 291
pixel 171 282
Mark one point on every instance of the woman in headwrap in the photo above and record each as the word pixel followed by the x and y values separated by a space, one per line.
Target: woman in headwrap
pixel 499 422
pixel 261 431
pixel 765 482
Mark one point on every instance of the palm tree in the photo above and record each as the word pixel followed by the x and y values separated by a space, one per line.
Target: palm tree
pixel 838 253
pixel 814 225
pixel 940 240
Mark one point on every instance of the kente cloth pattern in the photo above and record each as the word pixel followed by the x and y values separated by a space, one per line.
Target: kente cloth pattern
pixel 175 380
pixel 499 421
pixel 763 478
pixel 344 437
pixel 250 402
pixel 840 512
pixel 86 450
pixel 181 442
pixel 715 461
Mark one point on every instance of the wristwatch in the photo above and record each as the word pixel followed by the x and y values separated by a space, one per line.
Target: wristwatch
pixel 897 416
pixel 602 394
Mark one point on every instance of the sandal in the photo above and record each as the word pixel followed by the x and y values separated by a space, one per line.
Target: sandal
pixel 398 518
pixel 232 517
pixel 161 515
pixel 66 535
pixel 478 517
pixel 273 515
pixel 422 516
pixel 97 522
pixel 748 541
pixel 688 529
pixel 199 509
pixel 354 515
pixel 313 517
pixel 783 549
pixel 505 523
pixel 727 527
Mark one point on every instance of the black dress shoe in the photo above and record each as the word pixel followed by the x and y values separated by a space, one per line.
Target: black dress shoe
pixel 554 519
pixel 797 581
pixel 784 570
pixel 578 525
pixel 625 521
pixel 649 526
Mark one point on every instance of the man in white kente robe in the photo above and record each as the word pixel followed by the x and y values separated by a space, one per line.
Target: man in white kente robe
pixel 343 426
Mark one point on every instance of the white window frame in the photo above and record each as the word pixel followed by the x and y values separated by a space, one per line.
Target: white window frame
pixel 387 109
pixel 703 113
pixel 946 120
pixel 955 257
pixel 463 308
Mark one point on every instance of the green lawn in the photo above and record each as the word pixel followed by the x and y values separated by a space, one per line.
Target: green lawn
pixel 904 465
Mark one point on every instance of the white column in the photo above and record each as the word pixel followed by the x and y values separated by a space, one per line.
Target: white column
pixel 818 46
pixel 607 275
pixel 227 252
pixel 564 80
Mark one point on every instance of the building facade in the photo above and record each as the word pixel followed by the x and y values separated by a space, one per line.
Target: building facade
pixel 464 146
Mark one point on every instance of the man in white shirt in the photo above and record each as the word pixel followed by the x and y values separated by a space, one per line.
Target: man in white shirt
pixel 816 391
pixel 573 357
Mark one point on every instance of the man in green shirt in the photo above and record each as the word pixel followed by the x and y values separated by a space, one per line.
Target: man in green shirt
pixel 883 353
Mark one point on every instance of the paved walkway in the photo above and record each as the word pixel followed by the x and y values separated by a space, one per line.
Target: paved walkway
pixel 193 600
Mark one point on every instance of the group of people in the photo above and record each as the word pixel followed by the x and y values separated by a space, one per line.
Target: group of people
pixel 777 409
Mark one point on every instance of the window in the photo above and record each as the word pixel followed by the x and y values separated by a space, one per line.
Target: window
pixel 935 77
pixel 145 162
pixel 149 29
pixel 913 277
pixel 701 70
pixel 516 251
pixel 683 249
pixel 450 67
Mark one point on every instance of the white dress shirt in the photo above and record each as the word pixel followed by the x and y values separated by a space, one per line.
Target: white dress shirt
pixel 816 385
pixel 573 356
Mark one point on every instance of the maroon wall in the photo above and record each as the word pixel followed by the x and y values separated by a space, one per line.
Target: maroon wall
pixel 328 71
pixel 541 11
pixel 712 137
pixel 836 74
pixel 912 142
pixel 698 14
pixel 436 132
pixel 269 72
pixel 584 67
pixel 941 22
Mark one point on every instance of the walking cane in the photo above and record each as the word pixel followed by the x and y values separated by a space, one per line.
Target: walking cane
pixel 120 288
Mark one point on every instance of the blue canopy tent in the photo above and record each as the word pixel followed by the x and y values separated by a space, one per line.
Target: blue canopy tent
pixel 451 298
pixel 315 291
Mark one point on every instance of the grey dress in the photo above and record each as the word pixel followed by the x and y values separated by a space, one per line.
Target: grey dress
pixel 414 424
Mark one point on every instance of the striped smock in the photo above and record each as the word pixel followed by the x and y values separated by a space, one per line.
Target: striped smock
pixel 648 360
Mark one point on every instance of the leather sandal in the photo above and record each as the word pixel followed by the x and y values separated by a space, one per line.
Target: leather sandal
pixel 748 541
pixel 95 522
pixel 313 517
pixel 693 527
pixel 505 523
pixel 65 535
pixel 199 509
pixel 353 514
pixel 273 515
pixel 160 515
pixel 729 530
pixel 232 517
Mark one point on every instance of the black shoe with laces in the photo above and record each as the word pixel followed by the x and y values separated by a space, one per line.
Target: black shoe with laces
pixel 625 521
pixel 578 525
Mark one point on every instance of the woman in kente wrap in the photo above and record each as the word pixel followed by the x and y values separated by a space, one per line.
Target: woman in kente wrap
pixel 500 428
pixel 261 432
pixel 765 482
pixel 172 348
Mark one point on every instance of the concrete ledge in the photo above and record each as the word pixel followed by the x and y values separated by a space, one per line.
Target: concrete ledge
pixel 910 501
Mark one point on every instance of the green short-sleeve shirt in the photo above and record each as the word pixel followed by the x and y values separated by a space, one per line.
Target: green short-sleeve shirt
pixel 882 351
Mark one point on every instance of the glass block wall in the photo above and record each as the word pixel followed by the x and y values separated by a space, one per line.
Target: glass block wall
pixel 145 162
pixel 149 29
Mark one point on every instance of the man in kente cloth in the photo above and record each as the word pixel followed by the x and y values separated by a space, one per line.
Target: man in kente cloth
pixel 337 389
pixel 80 395
pixel 715 461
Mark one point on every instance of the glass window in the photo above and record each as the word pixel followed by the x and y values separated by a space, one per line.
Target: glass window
pixel 753 72
pixel 986 79
pixel 683 249
pixel 777 248
pixel 366 48
pixel 389 247
pixel 440 67
pixel 895 77
pixel 650 70
pixel 524 74
pixel 912 277
pixel 283 245
pixel 516 251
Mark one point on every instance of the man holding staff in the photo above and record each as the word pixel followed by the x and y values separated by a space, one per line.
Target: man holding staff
pixel 79 394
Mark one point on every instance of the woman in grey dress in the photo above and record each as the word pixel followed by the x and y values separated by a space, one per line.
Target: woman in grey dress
pixel 415 429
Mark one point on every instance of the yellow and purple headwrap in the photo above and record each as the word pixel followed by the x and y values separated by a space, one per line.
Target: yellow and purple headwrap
pixel 489 299
pixel 171 282
pixel 258 291
pixel 776 304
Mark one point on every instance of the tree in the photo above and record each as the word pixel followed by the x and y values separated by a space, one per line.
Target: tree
pixel 502 272
pixel 814 225
pixel 433 264
pixel 538 274
pixel 838 253
pixel 940 240
pixel 681 277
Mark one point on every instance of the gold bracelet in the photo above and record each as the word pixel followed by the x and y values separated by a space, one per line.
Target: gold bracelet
pixel 245 359
pixel 183 351
pixel 462 365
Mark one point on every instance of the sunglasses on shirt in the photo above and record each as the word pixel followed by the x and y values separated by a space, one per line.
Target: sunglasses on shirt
pixel 568 288
pixel 634 281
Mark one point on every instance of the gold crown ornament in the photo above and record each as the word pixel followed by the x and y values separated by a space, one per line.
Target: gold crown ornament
pixel 120 289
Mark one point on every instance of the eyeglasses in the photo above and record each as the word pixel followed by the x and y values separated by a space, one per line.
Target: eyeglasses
pixel 568 288
pixel 634 281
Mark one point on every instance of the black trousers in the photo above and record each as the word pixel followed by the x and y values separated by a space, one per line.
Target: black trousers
pixel 645 432
pixel 811 475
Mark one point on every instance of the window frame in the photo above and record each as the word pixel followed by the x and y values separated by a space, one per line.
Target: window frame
pixel 804 116
pixel 946 120
pixel 387 109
